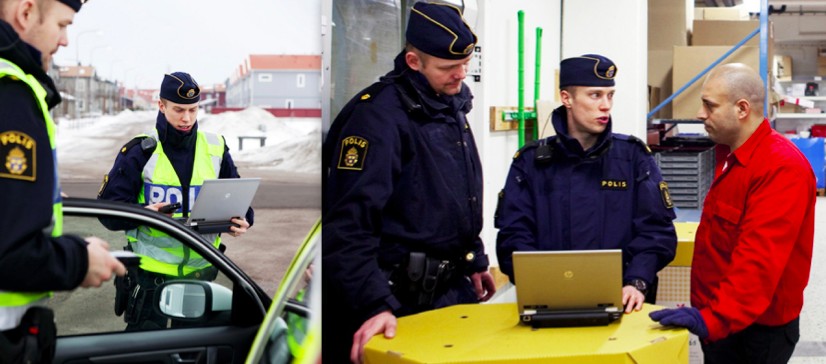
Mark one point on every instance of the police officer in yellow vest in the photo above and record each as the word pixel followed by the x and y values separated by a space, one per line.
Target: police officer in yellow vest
pixel 35 257
pixel 163 166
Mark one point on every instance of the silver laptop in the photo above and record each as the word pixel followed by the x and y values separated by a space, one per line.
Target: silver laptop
pixel 218 201
pixel 568 288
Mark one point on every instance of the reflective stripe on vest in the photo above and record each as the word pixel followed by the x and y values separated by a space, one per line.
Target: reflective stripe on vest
pixel 8 69
pixel 161 253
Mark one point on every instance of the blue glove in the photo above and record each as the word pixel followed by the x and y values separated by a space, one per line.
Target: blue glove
pixel 688 317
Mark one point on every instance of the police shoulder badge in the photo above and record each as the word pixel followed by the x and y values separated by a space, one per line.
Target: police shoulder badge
pixel 18 154
pixel 666 195
pixel 353 153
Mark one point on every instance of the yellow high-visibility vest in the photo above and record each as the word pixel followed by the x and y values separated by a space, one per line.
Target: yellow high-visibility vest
pixel 9 69
pixel 159 252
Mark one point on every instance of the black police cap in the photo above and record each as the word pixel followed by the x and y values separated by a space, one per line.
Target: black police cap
pixel 74 4
pixel 587 70
pixel 180 88
pixel 440 31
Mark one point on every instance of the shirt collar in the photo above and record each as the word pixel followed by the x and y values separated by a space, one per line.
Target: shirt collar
pixel 746 151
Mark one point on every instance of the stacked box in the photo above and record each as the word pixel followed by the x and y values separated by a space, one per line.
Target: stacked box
pixel 689 175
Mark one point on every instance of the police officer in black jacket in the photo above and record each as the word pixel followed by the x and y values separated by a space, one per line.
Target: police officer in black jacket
pixel 35 257
pixel 402 192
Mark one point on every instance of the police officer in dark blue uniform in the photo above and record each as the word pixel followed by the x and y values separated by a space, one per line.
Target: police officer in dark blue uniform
pixel 588 188
pixel 402 200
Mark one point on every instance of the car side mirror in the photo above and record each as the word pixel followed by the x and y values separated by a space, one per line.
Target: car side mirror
pixel 192 299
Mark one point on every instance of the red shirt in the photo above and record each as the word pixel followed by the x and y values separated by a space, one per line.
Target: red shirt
pixel 753 248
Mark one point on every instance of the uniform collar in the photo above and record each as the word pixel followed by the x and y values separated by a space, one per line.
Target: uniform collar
pixel 171 137
pixel 572 146
pixel 746 151
pixel 420 90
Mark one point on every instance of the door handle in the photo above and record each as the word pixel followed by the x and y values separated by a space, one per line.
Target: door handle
pixel 186 358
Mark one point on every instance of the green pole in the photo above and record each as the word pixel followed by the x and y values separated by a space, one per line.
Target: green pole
pixel 536 82
pixel 521 77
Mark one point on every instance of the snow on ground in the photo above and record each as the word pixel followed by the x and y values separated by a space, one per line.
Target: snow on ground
pixel 292 144
pixel 88 146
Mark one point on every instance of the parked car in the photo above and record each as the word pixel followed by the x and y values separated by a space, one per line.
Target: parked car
pixel 228 320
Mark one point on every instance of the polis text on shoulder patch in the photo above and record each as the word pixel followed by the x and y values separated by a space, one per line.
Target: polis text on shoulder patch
pixel 611 184
pixel 353 153
pixel 17 156
pixel 666 195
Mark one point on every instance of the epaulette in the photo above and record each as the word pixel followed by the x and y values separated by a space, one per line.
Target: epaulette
pixel 147 143
pixel 639 142
pixel 369 94
pixel 529 145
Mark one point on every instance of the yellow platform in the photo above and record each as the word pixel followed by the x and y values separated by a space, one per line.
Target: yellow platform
pixel 491 333
pixel 685 243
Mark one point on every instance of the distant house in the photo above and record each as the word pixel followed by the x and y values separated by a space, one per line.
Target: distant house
pixel 279 82
pixel 213 96
pixel 139 99
pixel 84 93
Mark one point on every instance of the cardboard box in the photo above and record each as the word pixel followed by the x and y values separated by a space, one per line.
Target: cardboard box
pixel 660 76
pixel 667 24
pixel 722 13
pixel 782 68
pixel 727 32
pixel 689 61
pixel 821 62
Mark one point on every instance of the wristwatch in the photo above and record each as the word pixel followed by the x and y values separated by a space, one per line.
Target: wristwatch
pixel 639 284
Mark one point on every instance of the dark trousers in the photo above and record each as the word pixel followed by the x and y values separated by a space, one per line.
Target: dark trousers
pixel 754 345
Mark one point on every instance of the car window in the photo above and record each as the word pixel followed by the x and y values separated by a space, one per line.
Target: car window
pixel 92 311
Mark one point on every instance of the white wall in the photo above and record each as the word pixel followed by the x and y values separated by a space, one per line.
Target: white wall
pixel 614 28
pixel 617 29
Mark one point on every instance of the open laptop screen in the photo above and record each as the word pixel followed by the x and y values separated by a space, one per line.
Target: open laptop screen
pixel 568 280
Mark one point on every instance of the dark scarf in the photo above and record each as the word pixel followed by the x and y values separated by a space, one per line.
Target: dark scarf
pixel 179 147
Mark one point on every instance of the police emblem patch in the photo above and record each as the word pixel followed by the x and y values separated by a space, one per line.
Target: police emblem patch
pixel 609 184
pixel 353 153
pixel 666 195
pixel 610 72
pixel 17 151
pixel 190 93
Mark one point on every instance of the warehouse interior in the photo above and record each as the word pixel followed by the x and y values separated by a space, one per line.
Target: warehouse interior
pixel 659 46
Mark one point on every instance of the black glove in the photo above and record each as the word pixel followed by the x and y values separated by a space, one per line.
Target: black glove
pixel 688 317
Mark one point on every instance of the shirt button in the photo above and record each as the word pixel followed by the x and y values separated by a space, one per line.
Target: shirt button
pixel 473 199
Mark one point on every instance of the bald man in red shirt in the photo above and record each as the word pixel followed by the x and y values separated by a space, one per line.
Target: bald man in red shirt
pixel 753 248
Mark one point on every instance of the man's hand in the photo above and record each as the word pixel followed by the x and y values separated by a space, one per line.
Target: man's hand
pixel 383 322
pixel 632 299
pixel 239 230
pixel 156 206
pixel 483 285
pixel 101 263
pixel 688 317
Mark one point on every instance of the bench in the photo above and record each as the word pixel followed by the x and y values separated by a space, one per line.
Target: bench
pixel 261 139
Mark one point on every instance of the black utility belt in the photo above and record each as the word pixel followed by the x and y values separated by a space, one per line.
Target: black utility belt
pixel 422 278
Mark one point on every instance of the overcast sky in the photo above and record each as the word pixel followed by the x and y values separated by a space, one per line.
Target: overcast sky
pixel 139 41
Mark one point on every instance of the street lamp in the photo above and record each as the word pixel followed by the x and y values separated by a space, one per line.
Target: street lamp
pixel 77 42
pixel 89 94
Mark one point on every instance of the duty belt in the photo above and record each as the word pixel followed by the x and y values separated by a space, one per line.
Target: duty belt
pixel 420 279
